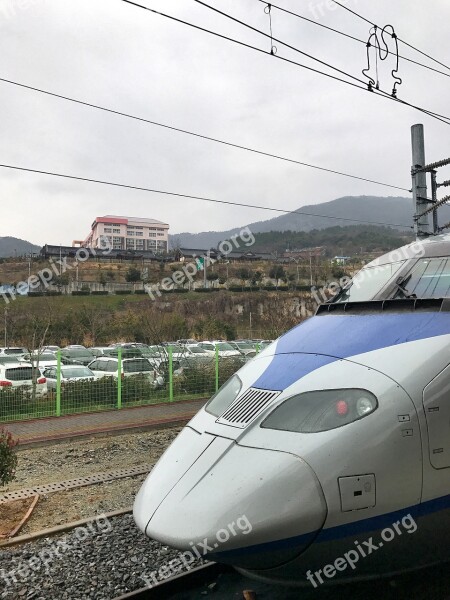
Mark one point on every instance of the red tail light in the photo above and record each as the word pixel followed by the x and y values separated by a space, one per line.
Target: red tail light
pixel 42 380
pixel 5 383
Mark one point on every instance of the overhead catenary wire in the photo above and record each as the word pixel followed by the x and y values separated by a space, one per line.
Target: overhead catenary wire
pixel 380 93
pixel 199 135
pixel 349 36
pixel 195 197
pixel 274 39
pixel 399 39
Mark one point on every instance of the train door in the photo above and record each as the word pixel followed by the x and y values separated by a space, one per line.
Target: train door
pixel 436 401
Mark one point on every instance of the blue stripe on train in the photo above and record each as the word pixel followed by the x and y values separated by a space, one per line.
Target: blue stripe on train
pixel 364 526
pixel 324 339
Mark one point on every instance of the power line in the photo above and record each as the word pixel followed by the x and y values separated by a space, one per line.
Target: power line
pixel 322 62
pixel 380 93
pixel 351 37
pixel 399 39
pixel 192 197
pixel 198 135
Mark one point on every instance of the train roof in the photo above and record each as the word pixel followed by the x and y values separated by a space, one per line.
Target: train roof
pixel 438 245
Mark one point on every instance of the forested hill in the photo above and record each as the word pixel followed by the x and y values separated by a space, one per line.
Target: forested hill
pixel 347 241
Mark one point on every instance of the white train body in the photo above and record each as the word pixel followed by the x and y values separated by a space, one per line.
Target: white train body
pixel 327 457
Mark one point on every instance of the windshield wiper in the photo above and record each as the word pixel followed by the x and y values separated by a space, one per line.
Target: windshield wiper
pixel 400 285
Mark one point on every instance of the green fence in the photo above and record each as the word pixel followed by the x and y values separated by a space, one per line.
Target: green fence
pixel 121 379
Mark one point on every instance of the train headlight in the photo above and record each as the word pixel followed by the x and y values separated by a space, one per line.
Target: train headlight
pixel 223 398
pixel 364 406
pixel 312 412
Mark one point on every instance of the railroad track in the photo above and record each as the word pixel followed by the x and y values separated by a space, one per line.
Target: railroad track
pixel 70 484
pixel 202 579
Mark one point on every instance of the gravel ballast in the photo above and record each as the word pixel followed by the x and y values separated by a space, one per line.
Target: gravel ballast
pixel 100 561
pixel 79 458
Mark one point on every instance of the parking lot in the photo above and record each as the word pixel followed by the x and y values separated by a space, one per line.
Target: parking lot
pixel 53 381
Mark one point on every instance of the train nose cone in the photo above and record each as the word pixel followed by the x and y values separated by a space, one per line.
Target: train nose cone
pixel 244 506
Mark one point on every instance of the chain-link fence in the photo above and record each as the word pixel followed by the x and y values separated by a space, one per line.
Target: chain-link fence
pixel 78 380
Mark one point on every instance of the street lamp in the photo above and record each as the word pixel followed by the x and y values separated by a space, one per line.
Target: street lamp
pixel 296 262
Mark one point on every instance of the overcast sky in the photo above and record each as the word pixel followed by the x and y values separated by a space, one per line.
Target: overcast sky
pixel 113 54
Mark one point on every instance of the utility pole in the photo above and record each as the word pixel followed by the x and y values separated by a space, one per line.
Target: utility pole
pixel 423 206
pixel 419 182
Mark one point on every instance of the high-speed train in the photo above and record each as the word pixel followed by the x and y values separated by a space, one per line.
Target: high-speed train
pixel 332 446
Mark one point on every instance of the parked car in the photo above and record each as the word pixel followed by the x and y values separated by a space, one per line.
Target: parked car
pixel 128 345
pixel 68 373
pixel 224 349
pixel 42 360
pixel 245 348
pixel 74 346
pixel 5 359
pixel 50 349
pixel 20 374
pixel 186 342
pixel 156 355
pixel 13 351
pixel 109 367
pixel 195 352
pixel 178 351
pixel 77 356
pixel 103 351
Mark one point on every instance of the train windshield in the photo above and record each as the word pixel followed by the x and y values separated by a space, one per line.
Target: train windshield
pixel 368 283
pixel 429 278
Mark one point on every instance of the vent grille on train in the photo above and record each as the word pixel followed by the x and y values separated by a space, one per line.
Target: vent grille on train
pixel 247 407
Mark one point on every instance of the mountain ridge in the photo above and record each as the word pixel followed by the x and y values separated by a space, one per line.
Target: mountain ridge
pixel 396 211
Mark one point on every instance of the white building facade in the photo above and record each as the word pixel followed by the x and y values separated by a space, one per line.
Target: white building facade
pixel 128 233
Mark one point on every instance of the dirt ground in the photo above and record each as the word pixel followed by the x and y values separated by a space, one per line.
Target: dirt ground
pixel 50 464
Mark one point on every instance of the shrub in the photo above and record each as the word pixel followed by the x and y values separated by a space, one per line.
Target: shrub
pixel 123 292
pixel 8 458
pixel 81 293
pixel 100 293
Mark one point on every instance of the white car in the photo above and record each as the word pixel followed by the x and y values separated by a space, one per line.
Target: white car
pixel 108 366
pixel 21 374
pixel 68 373
pixel 13 351
pixel 41 360
pixel 224 349
pixel 46 349
pixel 195 352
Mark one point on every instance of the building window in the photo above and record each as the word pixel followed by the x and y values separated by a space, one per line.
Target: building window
pixel 160 235
pixel 139 233
pixel 116 230
pixel 107 230
pixel 130 232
